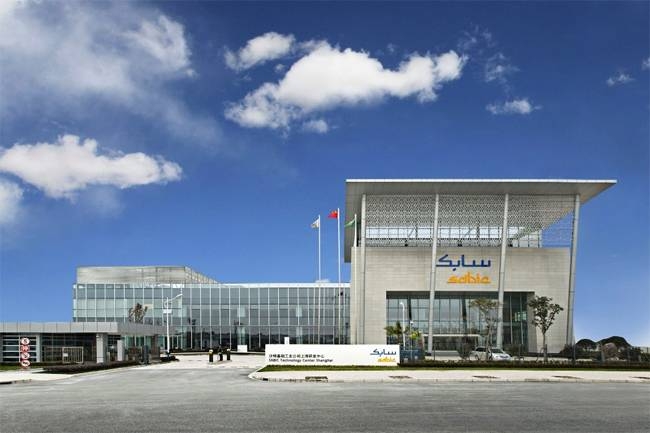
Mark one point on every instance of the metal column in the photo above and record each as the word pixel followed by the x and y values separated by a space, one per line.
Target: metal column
pixel 101 342
pixel 572 270
pixel 432 276
pixel 502 271
pixel 354 290
pixel 362 293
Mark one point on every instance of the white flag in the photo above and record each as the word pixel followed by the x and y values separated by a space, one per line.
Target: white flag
pixel 316 224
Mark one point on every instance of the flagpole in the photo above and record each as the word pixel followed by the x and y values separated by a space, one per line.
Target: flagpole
pixel 338 229
pixel 319 280
pixel 355 278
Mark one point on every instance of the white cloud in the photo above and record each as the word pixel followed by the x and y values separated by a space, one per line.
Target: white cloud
pixel 645 64
pixel 319 126
pixel 328 77
pixel 476 39
pixel 68 56
pixel 63 168
pixel 269 46
pixel 618 79
pixel 10 198
pixel 165 41
pixel 516 106
pixel 498 68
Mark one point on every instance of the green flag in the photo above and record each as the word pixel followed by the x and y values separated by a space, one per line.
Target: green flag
pixel 351 222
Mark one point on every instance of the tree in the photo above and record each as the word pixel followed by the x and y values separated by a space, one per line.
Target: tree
pixel 487 309
pixel 586 344
pixel 544 312
pixel 413 335
pixel 393 332
pixel 136 313
pixel 618 341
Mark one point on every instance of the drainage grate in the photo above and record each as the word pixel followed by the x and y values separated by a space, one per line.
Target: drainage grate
pixel 315 378
pixel 567 377
pixel 485 377
pixel 400 377
pixel 641 377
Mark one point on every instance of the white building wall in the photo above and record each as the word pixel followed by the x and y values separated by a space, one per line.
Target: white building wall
pixel 539 271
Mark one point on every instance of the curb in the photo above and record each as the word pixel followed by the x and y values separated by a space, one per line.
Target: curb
pixel 262 378
pixel 11 382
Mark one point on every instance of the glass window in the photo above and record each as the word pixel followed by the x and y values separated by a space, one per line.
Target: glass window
pixel 195 295
pixel 215 295
pixel 225 296
pixel 284 315
pixel 284 296
pixel 273 316
pixel 244 296
pixel 224 317
pixel 273 296
pixel 205 295
pixel 264 315
pixel 234 296
pixel 454 309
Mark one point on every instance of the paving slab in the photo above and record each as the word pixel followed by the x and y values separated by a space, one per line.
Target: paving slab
pixel 31 375
pixel 201 362
pixel 476 375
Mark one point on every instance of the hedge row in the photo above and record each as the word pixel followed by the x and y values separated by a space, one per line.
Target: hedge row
pixel 609 365
pixel 82 368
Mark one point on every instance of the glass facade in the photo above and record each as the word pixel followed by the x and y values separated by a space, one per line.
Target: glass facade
pixel 52 343
pixel 11 347
pixel 455 319
pixel 228 315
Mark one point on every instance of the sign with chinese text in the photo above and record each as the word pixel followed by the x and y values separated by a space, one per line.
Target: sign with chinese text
pixel 332 354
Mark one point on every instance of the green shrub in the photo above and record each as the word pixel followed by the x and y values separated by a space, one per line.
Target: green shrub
pixel 82 368
pixel 611 365
pixel 464 349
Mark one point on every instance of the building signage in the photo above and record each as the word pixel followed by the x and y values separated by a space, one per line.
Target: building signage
pixel 468 277
pixel 332 354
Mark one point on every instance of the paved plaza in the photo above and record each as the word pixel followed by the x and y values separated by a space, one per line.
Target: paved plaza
pixel 193 396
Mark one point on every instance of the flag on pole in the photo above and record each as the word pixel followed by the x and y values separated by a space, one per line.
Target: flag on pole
pixel 334 214
pixel 351 222
pixel 316 224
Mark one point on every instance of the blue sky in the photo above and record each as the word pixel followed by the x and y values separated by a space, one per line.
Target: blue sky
pixel 212 134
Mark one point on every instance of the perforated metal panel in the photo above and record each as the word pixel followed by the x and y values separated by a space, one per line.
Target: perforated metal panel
pixel 468 220
pixel 537 221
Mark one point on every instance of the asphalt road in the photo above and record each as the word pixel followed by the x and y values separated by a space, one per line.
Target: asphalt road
pixel 226 400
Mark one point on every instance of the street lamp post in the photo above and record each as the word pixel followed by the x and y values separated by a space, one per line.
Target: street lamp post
pixel 403 324
pixel 168 312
